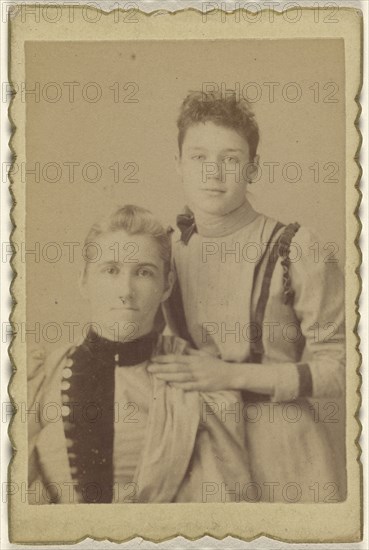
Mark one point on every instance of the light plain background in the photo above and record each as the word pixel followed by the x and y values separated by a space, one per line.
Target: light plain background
pixel 111 130
pixel 63 129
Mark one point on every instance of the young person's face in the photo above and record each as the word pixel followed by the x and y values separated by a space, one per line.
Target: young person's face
pixel 215 168
pixel 125 285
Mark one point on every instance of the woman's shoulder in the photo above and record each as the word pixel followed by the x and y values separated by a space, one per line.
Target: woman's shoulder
pixel 42 361
pixel 43 369
pixel 169 343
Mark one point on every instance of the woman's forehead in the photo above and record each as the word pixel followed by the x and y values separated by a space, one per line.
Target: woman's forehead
pixel 120 246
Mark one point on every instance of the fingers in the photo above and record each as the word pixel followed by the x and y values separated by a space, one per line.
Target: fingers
pixel 197 352
pixel 175 376
pixel 188 386
pixel 172 358
pixel 168 368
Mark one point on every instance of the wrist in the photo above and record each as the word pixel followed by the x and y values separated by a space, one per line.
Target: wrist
pixel 256 378
pixel 238 379
pixel 287 383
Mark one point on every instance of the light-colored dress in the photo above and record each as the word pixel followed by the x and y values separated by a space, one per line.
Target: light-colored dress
pixel 179 450
pixel 290 439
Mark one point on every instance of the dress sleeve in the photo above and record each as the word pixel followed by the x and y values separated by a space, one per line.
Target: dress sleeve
pixel 318 283
pixel 35 372
pixel 36 376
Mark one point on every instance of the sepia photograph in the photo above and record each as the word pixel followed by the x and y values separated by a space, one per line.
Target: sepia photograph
pixel 186 275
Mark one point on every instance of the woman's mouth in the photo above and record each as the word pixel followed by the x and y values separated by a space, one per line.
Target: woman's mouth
pixel 124 308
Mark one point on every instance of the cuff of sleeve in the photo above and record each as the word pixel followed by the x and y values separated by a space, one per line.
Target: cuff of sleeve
pixel 305 380
pixel 288 385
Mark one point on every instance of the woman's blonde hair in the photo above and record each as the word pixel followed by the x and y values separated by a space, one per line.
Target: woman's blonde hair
pixel 135 220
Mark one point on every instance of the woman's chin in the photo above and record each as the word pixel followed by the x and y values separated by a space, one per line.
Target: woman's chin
pixel 121 330
pixel 125 315
pixel 119 327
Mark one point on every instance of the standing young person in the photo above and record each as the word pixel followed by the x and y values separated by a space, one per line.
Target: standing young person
pixel 254 316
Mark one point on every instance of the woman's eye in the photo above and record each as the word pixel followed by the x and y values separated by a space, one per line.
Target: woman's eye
pixel 111 270
pixel 230 159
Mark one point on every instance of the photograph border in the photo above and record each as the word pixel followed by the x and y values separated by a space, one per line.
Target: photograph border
pixel 23 527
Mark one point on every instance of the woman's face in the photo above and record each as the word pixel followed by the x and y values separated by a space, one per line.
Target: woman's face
pixel 125 284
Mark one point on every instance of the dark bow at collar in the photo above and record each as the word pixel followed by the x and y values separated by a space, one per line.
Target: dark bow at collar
pixel 187 225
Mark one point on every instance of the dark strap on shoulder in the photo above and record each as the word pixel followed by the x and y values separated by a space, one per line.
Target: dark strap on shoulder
pixel 256 317
pixel 275 230
pixel 280 248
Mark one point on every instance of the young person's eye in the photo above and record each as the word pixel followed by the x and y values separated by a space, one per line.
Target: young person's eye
pixel 198 157
pixel 230 159
pixel 145 272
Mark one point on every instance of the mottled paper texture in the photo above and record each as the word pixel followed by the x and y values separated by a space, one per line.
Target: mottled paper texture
pixel 96 100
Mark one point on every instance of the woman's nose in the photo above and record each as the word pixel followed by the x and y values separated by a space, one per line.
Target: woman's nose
pixel 125 285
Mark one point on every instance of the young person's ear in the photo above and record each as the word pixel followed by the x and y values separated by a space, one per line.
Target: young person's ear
pixel 169 286
pixel 82 284
pixel 253 168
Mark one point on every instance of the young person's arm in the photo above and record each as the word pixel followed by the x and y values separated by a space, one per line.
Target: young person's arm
pixel 319 306
pixel 203 372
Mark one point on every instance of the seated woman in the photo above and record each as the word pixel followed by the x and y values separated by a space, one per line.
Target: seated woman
pixel 123 434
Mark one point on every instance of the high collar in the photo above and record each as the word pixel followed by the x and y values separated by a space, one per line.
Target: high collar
pixel 215 226
pixel 122 354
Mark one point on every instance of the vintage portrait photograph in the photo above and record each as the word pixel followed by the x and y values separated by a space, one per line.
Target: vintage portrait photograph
pixel 184 212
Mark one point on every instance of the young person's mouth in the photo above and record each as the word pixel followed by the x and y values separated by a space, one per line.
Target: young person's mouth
pixel 213 191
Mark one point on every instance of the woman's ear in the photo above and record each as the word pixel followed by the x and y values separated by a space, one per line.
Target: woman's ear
pixel 178 164
pixel 169 286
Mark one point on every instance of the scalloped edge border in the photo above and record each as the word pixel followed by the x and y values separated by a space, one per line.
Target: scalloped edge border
pixel 13 129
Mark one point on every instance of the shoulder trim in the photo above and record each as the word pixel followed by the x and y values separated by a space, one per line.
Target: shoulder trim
pixel 284 252
pixel 281 248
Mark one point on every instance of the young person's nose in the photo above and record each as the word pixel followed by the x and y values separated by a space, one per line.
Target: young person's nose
pixel 212 170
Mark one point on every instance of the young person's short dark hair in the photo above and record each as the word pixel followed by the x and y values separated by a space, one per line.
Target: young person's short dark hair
pixel 228 111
